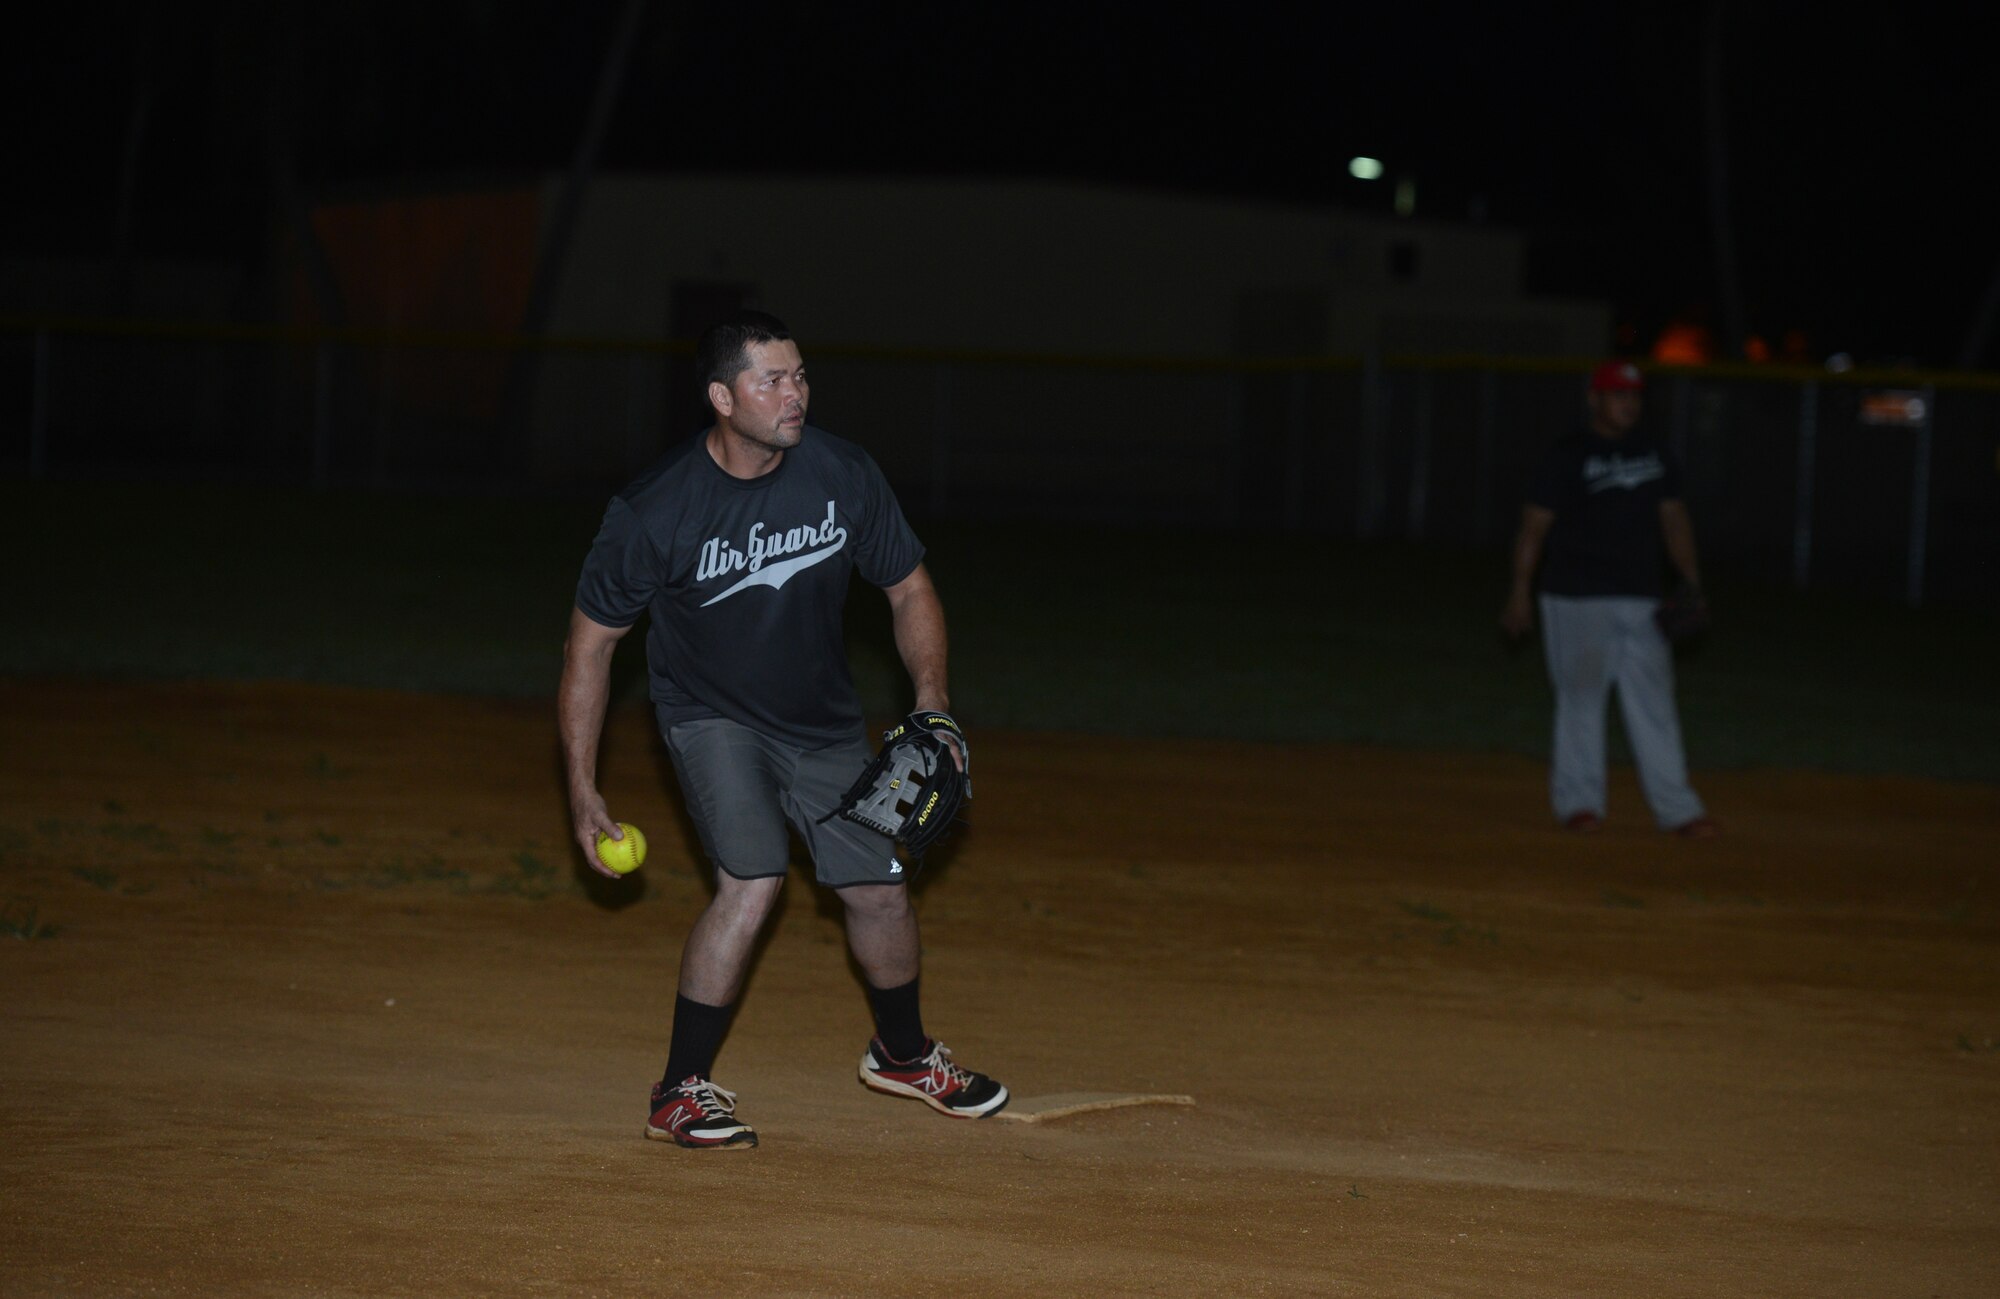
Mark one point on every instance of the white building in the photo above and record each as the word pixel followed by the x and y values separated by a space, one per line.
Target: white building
pixel 1005 268
pixel 1050 268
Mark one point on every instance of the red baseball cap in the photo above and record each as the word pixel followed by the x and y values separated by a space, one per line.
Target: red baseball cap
pixel 1617 376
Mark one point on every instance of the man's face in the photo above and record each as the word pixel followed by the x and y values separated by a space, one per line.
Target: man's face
pixel 766 402
pixel 1614 412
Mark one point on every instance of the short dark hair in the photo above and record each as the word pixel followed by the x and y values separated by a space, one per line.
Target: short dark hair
pixel 724 349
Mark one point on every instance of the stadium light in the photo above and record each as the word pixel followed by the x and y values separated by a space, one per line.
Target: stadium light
pixel 1365 168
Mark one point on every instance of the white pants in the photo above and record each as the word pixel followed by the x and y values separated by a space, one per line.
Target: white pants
pixel 1593 644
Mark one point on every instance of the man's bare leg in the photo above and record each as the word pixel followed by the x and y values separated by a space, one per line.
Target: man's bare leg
pixel 882 933
pixel 716 956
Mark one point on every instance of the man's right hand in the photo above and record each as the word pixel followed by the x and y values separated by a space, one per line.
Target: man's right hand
pixel 1517 616
pixel 588 819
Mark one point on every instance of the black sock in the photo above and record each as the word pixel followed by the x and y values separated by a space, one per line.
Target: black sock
pixel 698 1032
pixel 897 1020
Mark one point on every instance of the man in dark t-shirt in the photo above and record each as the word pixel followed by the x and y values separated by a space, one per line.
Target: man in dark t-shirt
pixel 1603 512
pixel 740 544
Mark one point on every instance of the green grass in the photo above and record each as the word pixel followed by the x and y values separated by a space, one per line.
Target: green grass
pixel 534 878
pixel 1127 632
pixel 1449 928
pixel 21 918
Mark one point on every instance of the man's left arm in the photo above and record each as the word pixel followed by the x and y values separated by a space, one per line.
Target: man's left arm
pixel 1678 531
pixel 917 616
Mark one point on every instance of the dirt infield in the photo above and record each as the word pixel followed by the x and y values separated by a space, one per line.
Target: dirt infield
pixel 304 995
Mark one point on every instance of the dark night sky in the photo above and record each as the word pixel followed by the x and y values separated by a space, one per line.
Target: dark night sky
pixel 1859 156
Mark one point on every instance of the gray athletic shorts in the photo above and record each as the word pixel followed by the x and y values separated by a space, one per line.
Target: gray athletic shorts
pixel 743 788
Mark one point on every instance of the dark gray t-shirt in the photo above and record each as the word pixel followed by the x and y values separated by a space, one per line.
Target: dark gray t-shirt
pixel 1606 495
pixel 745 580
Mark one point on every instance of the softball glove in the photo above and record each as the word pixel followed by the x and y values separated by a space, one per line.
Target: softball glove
pixel 912 789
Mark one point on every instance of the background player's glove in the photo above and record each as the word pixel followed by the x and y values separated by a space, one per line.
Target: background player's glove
pixel 1683 616
pixel 911 790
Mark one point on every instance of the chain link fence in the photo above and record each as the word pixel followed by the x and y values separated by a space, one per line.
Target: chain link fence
pixel 1886 484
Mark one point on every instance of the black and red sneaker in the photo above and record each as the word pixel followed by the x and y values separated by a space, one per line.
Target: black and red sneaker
pixel 933 1079
pixel 699 1115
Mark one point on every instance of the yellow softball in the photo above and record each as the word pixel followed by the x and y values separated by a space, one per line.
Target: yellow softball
pixel 622 856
